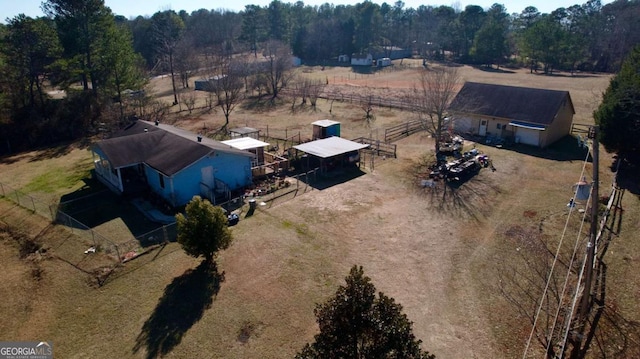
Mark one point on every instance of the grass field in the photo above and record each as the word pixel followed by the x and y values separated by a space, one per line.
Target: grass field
pixel 437 252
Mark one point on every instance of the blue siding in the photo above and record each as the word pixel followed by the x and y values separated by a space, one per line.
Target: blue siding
pixel 234 170
pixel 333 130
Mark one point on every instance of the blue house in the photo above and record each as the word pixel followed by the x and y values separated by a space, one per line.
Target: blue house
pixel 174 164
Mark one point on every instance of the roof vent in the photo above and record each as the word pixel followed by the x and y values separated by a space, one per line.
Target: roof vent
pixel 146 129
pixel 199 138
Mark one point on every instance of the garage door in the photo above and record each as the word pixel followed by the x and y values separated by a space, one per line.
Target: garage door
pixel 528 137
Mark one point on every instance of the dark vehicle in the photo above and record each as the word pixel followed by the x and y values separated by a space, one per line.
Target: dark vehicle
pixel 463 171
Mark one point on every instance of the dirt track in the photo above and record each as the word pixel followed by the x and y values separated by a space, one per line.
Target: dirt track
pixel 412 253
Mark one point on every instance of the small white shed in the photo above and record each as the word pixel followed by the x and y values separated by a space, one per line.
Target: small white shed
pixel 362 60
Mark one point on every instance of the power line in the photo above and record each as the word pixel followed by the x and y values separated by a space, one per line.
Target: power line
pixel 566 281
pixel 555 259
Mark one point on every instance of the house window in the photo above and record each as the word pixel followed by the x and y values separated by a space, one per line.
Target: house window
pixel 498 126
pixel 161 177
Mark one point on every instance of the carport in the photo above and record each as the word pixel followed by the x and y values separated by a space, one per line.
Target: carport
pixel 331 153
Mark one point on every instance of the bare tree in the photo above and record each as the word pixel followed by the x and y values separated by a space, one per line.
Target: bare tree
pixel 228 87
pixel 304 90
pixel 367 106
pixel 335 94
pixel 315 90
pixel 189 99
pixel 186 60
pixel 278 66
pixel 247 67
pixel 295 92
pixel 155 111
pixel 167 30
pixel 260 83
pixel 210 100
pixel 437 90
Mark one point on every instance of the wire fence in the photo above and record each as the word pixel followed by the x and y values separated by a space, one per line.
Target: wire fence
pixel 24 200
pixel 85 234
pixel 99 242
pixel 120 251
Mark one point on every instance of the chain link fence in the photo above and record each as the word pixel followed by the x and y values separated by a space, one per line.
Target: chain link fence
pixel 24 200
pixel 97 241
pixel 123 251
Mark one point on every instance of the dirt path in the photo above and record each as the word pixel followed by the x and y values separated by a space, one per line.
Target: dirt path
pixel 411 253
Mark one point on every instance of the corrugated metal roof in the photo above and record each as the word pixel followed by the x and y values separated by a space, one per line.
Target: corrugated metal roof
pixel 330 147
pixel 325 123
pixel 245 143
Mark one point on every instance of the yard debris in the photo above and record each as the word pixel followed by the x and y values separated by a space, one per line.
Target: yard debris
pixel 462 168
pixel 428 183
pixel 233 219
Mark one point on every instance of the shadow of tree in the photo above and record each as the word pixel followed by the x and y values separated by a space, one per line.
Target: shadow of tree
pixel 617 336
pixel 494 70
pixel 60 150
pixel 628 178
pixel 182 305
pixel 565 149
pixel 466 198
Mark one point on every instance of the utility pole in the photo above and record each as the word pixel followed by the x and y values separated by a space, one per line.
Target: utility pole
pixel 585 303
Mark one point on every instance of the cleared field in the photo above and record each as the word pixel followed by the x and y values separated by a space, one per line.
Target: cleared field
pixel 434 251
pixel 585 89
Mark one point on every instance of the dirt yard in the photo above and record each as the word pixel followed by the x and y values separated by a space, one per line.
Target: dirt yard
pixel 430 250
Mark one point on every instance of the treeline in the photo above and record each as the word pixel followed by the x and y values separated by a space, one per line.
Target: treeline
pixel 78 48
pixel 101 60
pixel 589 37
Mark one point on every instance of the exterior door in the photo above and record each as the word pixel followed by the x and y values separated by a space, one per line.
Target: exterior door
pixel 207 176
pixel 482 131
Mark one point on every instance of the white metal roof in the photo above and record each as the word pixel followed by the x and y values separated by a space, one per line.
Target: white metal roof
pixel 329 147
pixel 245 143
pixel 325 123
pixel 244 130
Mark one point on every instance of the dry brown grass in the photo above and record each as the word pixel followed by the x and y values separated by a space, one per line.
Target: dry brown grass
pixel 436 259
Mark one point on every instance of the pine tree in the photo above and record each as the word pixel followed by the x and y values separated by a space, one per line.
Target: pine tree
pixel 619 113
pixel 356 323
pixel 202 230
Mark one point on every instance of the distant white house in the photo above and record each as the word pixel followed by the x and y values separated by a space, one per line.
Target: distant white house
pixel 361 60
pixel 343 58
pixel 383 62
pixel 296 61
